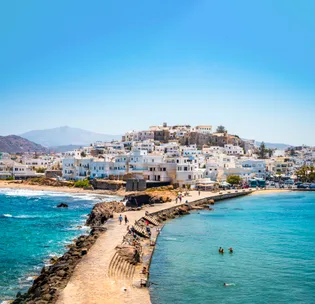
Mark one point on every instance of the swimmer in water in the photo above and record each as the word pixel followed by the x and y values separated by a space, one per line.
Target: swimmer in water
pixel 228 284
pixel 231 250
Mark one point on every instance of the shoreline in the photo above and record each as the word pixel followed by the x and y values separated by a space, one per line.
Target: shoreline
pixel 99 258
pixel 23 186
pixel 94 279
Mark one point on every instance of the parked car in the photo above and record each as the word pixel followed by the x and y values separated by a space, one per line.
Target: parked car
pixel 312 186
pixel 302 186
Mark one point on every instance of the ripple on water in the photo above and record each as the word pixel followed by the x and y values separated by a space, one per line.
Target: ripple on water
pixel 273 261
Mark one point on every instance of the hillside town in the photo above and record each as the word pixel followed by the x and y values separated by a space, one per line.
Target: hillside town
pixel 182 155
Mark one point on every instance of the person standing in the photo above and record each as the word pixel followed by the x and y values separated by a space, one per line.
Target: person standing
pixel 126 220
pixel 120 219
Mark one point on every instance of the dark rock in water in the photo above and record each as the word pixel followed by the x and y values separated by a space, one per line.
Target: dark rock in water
pixel 62 205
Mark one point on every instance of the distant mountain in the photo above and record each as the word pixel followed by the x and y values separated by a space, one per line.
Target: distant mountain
pixel 16 144
pixel 274 145
pixel 63 136
pixel 60 149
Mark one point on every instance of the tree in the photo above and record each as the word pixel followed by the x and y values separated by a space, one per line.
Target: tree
pixel 262 151
pixel 292 152
pixel 83 154
pixel 233 179
pixel 221 129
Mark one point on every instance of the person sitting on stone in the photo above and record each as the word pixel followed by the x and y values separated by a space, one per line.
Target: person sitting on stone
pixel 144 270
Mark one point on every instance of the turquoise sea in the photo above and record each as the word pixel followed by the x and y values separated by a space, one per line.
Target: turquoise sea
pixel 33 230
pixel 273 237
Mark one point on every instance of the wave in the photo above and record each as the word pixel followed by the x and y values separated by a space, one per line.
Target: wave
pixel 17 216
pixel 169 239
pixel 40 193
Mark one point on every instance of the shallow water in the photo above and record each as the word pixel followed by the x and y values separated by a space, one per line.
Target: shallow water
pixel 273 237
pixel 33 230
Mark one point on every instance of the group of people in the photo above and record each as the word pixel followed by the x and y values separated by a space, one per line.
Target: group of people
pixel 179 198
pixel 221 250
pixel 120 218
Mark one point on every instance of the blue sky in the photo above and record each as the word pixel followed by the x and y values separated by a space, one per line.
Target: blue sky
pixel 113 66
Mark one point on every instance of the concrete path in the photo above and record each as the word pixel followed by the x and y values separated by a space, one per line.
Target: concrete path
pixel 90 283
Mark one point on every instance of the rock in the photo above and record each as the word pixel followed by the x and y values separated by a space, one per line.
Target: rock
pixel 46 297
pixel 129 253
pixel 53 260
pixel 62 205
pixel 61 273
pixel 84 251
pixel 101 212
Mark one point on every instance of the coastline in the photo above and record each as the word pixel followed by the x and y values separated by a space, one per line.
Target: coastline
pixel 23 186
pixel 89 282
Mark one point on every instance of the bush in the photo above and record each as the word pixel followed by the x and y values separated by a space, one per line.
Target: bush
pixel 10 178
pixel 40 170
pixel 233 179
pixel 82 184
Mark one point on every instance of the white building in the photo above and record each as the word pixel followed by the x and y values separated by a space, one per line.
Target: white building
pixel 203 129
pixel 233 150
pixel 188 171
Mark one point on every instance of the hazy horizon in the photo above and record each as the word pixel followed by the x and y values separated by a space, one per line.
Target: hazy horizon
pixel 110 67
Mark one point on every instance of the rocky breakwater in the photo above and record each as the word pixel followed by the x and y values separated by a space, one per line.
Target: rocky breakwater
pixel 101 212
pixel 138 200
pixel 183 209
pixel 54 278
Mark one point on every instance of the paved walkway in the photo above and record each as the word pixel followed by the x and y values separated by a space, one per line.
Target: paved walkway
pixel 90 283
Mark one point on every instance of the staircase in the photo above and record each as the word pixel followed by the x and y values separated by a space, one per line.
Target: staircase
pixel 152 220
pixel 120 269
pixel 140 230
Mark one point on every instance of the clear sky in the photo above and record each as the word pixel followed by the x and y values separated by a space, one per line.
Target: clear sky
pixel 113 66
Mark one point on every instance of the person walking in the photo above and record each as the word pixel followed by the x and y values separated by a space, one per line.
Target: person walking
pixel 199 192
pixel 120 219
pixel 176 200
pixel 126 220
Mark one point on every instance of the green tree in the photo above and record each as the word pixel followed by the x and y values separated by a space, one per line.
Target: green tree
pixel 262 151
pixel 40 170
pixel 221 129
pixel 233 179
pixel 83 154
pixel 292 152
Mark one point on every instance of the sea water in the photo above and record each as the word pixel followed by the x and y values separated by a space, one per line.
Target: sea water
pixel 273 238
pixel 33 229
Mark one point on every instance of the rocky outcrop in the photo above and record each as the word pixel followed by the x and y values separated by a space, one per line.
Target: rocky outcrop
pixel 52 279
pixel 138 200
pixel 129 253
pixel 62 205
pixel 101 212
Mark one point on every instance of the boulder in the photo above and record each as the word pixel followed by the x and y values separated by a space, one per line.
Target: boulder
pixel 62 205
pixel 129 253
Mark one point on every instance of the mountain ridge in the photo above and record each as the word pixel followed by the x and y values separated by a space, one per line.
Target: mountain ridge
pixel 18 144
pixel 63 136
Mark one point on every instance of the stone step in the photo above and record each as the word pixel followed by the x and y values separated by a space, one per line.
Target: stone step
pixel 141 231
pixel 151 219
pixel 112 265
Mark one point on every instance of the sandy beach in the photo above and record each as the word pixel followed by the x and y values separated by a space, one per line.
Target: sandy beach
pixel 19 185
pixel 269 191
